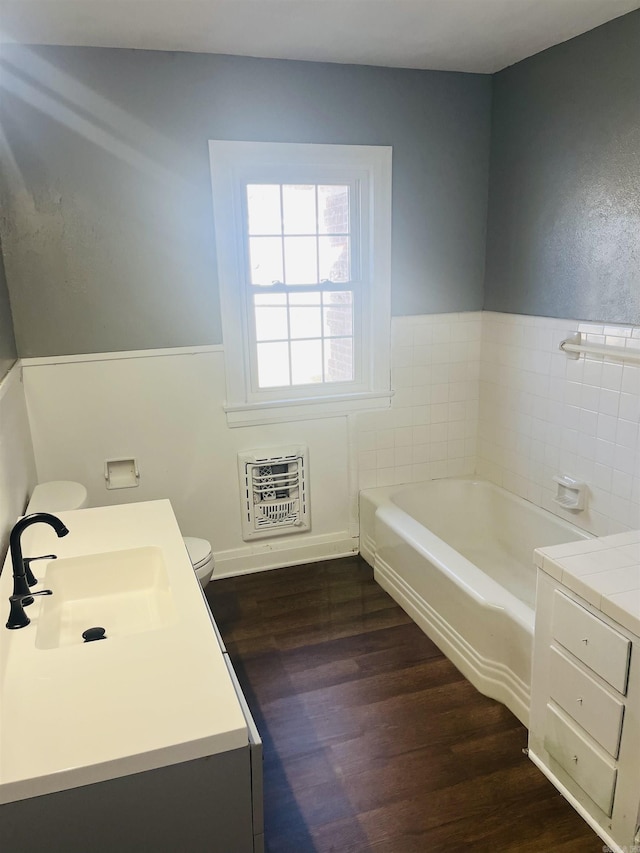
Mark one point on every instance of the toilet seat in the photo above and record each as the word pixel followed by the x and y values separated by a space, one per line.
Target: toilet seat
pixel 199 551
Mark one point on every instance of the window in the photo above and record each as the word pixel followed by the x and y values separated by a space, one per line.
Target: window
pixel 303 243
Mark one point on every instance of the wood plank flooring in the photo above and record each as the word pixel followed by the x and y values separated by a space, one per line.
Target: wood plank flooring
pixel 373 741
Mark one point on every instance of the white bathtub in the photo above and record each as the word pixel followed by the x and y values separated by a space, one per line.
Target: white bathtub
pixel 457 555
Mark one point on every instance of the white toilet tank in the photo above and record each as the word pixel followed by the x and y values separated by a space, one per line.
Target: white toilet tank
pixel 57 496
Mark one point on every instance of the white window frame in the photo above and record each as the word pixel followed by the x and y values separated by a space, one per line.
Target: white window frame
pixel 233 166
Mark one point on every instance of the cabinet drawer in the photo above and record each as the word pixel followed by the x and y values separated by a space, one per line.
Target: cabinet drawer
pixel 591 640
pixel 594 773
pixel 586 701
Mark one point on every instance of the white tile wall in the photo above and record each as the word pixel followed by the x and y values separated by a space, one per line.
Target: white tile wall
pixel 542 414
pixel 430 430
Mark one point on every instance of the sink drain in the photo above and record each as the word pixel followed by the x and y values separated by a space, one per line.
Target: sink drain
pixel 92 634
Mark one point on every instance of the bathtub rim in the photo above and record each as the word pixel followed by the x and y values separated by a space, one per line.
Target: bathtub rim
pixel 491 677
pixel 445 556
pixel 381 494
pixel 489 593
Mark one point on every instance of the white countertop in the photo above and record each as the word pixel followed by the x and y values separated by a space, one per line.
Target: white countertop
pixel 605 572
pixel 83 713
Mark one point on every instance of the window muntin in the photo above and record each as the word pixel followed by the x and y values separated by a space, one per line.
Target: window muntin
pixel 355 319
pixel 303 338
pixel 301 236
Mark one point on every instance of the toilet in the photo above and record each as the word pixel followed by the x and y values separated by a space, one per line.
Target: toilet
pixel 61 495
pixel 199 551
pixel 57 496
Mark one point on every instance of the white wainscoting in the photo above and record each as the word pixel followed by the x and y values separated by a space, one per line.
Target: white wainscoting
pixel 165 409
pixel 475 392
pixel 17 465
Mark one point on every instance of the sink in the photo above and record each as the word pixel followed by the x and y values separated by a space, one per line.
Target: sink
pixel 125 592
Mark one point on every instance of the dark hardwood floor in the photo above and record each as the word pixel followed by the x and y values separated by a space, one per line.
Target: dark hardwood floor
pixel 373 741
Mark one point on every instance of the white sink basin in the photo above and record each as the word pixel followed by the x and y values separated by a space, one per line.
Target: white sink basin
pixel 124 592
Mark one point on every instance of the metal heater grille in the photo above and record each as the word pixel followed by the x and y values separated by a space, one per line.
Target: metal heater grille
pixel 274 492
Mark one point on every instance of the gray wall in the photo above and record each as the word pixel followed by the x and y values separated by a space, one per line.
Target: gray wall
pixel 564 202
pixel 108 237
pixel 7 339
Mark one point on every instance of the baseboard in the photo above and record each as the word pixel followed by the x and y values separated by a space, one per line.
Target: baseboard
pixel 263 556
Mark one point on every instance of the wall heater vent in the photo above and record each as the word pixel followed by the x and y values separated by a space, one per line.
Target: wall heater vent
pixel 273 490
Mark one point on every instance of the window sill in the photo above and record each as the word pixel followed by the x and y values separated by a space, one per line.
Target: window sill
pixel 284 411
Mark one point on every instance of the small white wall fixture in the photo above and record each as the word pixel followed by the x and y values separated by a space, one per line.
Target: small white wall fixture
pixel 274 492
pixel 121 473
pixel 571 493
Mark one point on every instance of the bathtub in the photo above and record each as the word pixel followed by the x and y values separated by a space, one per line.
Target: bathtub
pixel 457 555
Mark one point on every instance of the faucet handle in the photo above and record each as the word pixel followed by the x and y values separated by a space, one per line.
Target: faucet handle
pixel 21 596
pixel 32 580
pixel 17 617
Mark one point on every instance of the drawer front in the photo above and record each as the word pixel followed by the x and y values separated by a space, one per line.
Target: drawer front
pixel 594 773
pixel 590 705
pixel 591 640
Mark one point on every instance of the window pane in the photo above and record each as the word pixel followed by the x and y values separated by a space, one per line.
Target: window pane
pixel 334 259
pixel 299 209
pixel 337 297
pixel 338 319
pixel 305 322
pixel 338 360
pixel 273 365
pixel 304 298
pixel 300 260
pixel 266 260
pixel 263 206
pixel 333 209
pixel 306 362
pixel 270 299
pixel 271 324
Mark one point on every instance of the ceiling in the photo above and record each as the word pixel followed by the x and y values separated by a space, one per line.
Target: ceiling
pixel 450 35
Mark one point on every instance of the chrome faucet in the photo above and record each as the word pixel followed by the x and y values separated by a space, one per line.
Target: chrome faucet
pixel 22 575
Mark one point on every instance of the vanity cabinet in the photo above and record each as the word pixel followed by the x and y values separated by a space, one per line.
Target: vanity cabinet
pixel 200 806
pixel 142 742
pixel 585 708
pixel 211 804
